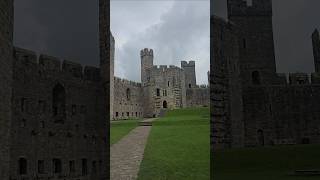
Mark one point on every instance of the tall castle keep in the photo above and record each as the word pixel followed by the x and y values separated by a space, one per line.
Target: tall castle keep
pixel 252 104
pixel 161 88
pixel 53 114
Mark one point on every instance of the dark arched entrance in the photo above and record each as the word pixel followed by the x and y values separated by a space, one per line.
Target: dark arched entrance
pixel 260 137
pixel 165 105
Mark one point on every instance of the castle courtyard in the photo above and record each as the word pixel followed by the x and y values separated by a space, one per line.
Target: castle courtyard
pixel 176 146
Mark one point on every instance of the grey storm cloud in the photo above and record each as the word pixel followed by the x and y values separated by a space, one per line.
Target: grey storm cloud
pixel 67 29
pixel 175 30
pixel 293 24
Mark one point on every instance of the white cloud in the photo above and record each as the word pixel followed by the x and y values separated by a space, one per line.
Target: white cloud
pixel 176 30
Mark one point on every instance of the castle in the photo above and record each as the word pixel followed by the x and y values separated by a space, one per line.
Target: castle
pixel 54 117
pixel 161 88
pixel 251 104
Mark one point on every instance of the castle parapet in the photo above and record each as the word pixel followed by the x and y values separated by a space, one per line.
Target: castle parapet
pixel 298 78
pixel 74 69
pixel 49 63
pixel 146 52
pixel 25 56
pixel 126 82
pixel 281 79
pixel 188 64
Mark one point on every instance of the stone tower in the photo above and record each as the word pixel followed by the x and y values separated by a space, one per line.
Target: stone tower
pixel 146 63
pixel 316 50
pixel 190 74
pixel 257 56
pixel 6 48
pixel 105 56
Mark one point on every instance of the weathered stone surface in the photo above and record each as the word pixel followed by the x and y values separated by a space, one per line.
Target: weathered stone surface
pixel 54 115
pixel 162 87
pixel 251 104
pixel 6 36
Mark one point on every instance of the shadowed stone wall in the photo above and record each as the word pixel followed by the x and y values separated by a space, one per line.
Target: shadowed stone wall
pixel 251 104
pixel 6 36
pixel 54 115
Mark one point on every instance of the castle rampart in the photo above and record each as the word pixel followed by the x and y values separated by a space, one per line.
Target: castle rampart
pixel 49 64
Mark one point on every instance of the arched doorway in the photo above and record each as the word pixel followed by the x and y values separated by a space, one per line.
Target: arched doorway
pixel 165 105
pixel 260 137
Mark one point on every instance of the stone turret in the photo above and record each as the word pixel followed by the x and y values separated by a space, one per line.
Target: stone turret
pixel 316 50
pixel 190 73
pixel 146 63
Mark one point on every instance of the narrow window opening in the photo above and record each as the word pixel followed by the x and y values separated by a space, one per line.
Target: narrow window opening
pixel 84 167
pixel 72 167
pixel 41 166
pixel 57 166
pixel 23 166
pixel 158 92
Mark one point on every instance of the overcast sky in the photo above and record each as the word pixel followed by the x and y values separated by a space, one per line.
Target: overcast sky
pixel 293 23
pixel 176 31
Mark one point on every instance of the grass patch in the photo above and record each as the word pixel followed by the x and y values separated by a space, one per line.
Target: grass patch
pixel 121 128
pixel 265 163
pixel 178 147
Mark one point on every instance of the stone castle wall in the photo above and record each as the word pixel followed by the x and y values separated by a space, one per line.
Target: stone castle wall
pixel 252 105
pixel 162 87
pixel 197 97
pixel 58 107
pixel 128 103
pixel 54 115
pixel 168 87
pixel 6 38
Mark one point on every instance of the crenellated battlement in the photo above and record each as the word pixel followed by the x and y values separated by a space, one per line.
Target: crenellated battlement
pixel 298 78
pixel 165 68
pixel 52 64
pixel 146 52
pixel 126 82
pixel 243 8
pixel 188 64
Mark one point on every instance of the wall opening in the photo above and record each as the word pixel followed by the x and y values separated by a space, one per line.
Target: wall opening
pixel 256 78
pixel 305 141
pixel 158 92
pixel 72 166
pixel 189 85
pixel 59 103
pixel 23 166
pixel 41 166
pixel 84 167
pixel 128 93
pixel 260 137
pixel 57 166
pixel 165 105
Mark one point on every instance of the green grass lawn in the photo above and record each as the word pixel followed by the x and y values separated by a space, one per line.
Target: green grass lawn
pixel 178 147
pixel 121 128
pixel 270 163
